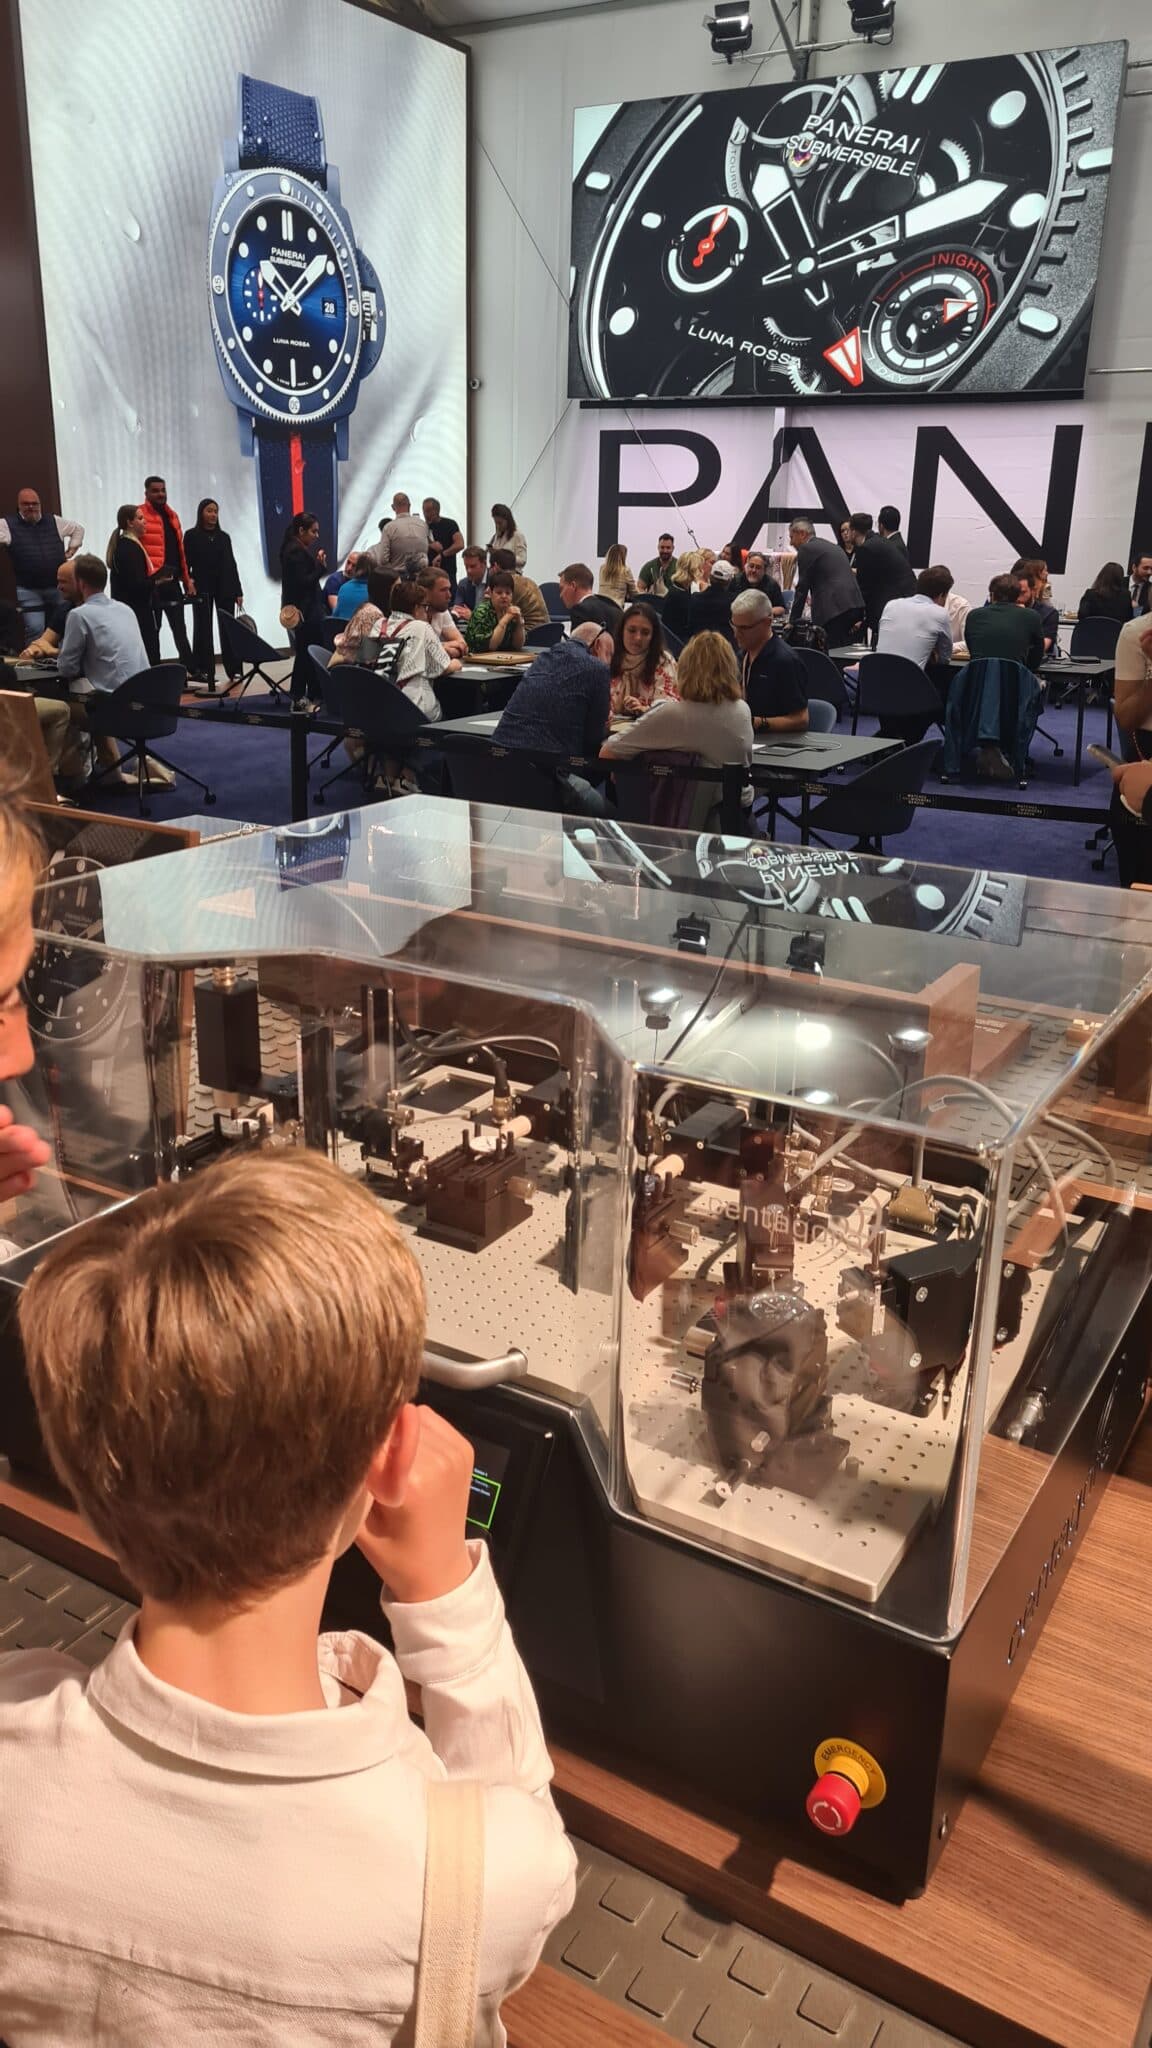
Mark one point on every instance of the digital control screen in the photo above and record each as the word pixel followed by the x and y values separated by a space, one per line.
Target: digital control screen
pixel 884 235
pixel 487 1485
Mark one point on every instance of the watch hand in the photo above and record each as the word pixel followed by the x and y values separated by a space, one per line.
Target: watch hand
pixel 929 217
pixel 304 283
pixel 278 285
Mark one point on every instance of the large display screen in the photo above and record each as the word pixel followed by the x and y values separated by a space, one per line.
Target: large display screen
pixel 893 234
pixel 236 297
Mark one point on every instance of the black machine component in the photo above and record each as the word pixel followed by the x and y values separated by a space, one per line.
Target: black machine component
pixel 654 1250
pixel 764 1395
pixel 548 1107
pixel 914 1319
pixel 475 1196
pixel 228 1033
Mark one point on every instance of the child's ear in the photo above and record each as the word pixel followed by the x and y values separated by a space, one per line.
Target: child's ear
pixel 389 1471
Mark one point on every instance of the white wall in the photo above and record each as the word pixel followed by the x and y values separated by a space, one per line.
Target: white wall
pixel 540 453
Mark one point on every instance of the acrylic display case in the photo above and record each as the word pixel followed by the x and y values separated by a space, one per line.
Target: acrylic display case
pixel 785 1215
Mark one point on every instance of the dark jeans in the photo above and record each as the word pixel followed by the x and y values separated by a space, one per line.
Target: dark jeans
pixel 203 634
pixel 1133 842
pixel 168 603
pixel 305 682
pixel 844 630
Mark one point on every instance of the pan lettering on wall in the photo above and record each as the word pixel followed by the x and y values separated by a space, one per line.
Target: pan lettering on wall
pixel 826 504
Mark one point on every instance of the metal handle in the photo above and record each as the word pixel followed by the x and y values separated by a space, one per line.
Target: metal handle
pixel 474 1374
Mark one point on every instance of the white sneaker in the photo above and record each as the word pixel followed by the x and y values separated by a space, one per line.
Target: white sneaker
pixel 158 776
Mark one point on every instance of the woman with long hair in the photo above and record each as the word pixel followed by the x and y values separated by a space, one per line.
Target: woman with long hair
pixel 506 534
pixel 681 584
pixel 302 606
pixel 1109 597
pixel 709 718
pixel 616 578
pixel 424 657
pixel 130 572
pixel 642 668
pixel 212 566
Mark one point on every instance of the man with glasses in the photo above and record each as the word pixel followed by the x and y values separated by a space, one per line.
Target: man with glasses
pixel 774 679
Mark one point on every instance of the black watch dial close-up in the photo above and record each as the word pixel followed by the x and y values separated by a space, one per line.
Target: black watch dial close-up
pixel 891 234
pixel 74 993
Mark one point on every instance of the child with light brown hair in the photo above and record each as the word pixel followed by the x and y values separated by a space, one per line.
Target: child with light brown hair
pixel 220 1835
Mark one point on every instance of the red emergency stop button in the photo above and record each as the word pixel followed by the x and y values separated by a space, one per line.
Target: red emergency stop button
pixel 849 1778
pixel 833 1804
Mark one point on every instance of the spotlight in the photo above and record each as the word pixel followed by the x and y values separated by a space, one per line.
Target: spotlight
pixel 872 18
pixel 691 934
pixel 730 27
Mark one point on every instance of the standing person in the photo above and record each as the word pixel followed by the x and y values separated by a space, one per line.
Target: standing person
pixel 1108 597
pixel 642 668
pixel 497 624
pixel 131 571
pixel 506 534
pixel 656 575
pixel 404 541
pixel 163 539
pixel 445 540
pixel 37 543
pixel 616 578
pixel 773 677
pixel 302 606
pixel 881 571
pixel 824 577
pixel 888 521
pixel 212 566
pixel 919 628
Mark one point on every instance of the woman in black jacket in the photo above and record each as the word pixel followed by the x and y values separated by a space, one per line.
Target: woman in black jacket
pixel 212 567
pixel 302 566
pixel 131 574
pixel 1109 597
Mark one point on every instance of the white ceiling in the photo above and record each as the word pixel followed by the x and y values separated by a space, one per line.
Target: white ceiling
pixel 478 14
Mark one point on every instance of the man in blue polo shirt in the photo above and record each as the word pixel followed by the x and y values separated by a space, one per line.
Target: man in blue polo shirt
pixel 561 706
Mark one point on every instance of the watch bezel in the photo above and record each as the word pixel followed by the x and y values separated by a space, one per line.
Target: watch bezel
pixel 306 408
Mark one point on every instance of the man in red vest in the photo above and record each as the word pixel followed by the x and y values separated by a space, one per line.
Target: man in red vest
pixel 163 543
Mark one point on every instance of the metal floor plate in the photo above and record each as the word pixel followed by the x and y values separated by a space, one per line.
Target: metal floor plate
pixel 700 1979
pixel 706 1981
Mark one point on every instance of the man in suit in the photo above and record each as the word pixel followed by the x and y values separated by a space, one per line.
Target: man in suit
pixel 880 569
pixel 824 576
pixel 888 520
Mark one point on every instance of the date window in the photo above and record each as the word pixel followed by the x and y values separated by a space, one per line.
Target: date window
pixel 329 309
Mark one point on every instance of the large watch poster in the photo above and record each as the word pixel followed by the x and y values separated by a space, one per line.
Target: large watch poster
pixel 235 296
pixel 897 234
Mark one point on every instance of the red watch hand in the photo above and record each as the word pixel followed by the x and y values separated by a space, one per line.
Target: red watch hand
pixel 707 243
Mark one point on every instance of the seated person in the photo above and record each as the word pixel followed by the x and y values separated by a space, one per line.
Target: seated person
pixel 774 678
pixel 353 590
pixel 655 575
pixel 642 668
pixel 470 586
pixel 756 575
pixel 583 608
pixel 707 610
pixel 1037 592
pixel 424 658
pixel 359 643
pixel 529 598
pixel 497 624
pixel 46 645
pixel 710 718
pixel 1006 628
pixel 1131 805
pixel 561 707
pixel 102 647
pixel 919 628
pixel 616 578
pixel 1109 597
pixel 334 584
pixel 437 587
pixel 245 1799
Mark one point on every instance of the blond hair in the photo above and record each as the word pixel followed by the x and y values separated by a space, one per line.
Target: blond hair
pixel 706 671
pixel 21 851
pixel 616 560
pixel 216 1363
pixel 687 568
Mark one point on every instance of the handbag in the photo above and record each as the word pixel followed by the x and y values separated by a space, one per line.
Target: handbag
pixel 291 616
pixel 448 1966
pixel 246 620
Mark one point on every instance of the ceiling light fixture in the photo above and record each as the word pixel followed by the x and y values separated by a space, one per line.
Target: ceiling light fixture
pixel 730 27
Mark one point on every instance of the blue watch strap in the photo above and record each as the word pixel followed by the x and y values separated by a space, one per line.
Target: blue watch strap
pixel 296 472
pixel 280 127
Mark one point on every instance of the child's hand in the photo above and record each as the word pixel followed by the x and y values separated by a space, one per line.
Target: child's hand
pixel 418 1546
pixel 21 1152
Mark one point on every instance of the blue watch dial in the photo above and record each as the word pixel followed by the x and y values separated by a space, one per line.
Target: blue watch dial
pixel 293 321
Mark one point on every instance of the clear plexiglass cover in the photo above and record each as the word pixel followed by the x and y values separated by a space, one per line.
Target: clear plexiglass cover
pixel 817 1184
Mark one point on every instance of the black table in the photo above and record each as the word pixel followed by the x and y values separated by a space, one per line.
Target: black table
pixel 1083 674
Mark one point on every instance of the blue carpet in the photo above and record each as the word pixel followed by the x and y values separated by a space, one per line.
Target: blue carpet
pixel 247 767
